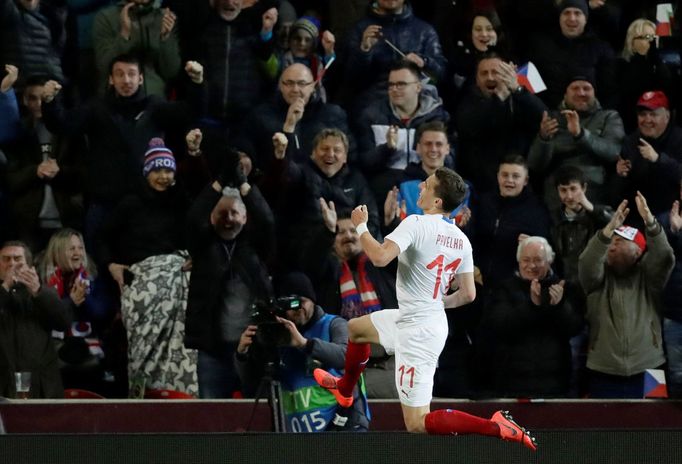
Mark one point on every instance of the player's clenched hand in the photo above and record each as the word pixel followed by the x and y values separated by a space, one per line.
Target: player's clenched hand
pixel 359 215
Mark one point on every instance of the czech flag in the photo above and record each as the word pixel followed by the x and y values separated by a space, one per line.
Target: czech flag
pixel 664 16
pixel 530 78
pixel 654 384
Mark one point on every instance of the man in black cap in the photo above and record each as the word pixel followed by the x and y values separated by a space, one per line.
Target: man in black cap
pixel 580 132
pixel 315 339
pixel 573 49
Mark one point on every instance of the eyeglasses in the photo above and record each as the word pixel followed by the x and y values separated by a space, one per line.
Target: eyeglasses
pixel 647 37
pixel 296 83
pixel 400 85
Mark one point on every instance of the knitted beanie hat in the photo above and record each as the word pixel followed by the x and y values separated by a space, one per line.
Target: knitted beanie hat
pixel 579 4
pixel 158 156
pixel 309 24
pixel 295 283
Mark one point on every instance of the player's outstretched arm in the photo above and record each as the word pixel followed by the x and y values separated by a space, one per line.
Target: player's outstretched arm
pixel 465 294
pixel 379 253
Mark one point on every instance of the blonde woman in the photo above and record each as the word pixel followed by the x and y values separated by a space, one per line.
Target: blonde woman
pixel 65 266
pixel 640 69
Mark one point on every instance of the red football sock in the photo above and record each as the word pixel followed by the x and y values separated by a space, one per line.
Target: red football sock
pixel 451 422
pixel 357 356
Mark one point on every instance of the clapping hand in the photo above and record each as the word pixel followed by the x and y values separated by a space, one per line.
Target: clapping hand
pixel 556 293
pixel 617 219
pixel 167 23
pixel 393 208
pixel 548 126
pixel 572 122
pixel 623 167
pixel 79 291
pixel 328 214
pixel 643 209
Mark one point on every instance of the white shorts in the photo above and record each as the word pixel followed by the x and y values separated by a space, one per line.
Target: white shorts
pixel 416 349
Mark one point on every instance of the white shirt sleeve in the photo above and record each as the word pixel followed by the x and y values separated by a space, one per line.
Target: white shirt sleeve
pixel 405 234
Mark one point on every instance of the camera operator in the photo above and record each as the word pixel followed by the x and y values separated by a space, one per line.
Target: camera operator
pixel 314 339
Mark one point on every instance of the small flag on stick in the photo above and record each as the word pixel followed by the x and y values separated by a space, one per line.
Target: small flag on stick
pixel 530 78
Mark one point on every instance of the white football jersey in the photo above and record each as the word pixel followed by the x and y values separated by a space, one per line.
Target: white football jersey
pixel 432 250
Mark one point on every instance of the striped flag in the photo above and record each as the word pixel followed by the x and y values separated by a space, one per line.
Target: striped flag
pixel 654 384
pixel 530 78
pixel 664 17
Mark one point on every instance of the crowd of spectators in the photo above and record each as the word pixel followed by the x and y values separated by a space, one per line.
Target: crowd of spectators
pixel 200 153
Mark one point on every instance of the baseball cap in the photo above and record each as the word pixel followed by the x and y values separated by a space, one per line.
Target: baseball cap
pixel 653 100
pixel 632 234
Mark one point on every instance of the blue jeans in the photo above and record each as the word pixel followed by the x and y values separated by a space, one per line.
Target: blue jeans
pixel 672 337
pixel 217 375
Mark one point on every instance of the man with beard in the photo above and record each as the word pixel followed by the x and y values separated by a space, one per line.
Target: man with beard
pixel 623 274
pixel 348 284
pixel 228 273
pixel 580 133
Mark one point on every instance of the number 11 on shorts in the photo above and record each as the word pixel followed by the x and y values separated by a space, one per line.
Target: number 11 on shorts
pixel 406 372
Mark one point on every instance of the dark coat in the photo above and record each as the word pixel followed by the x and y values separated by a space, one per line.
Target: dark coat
pixel 26 344
pixel 570 236
pixel 211 265
pixel 637 75
pixel 559 58
pixel 489 129
pixel 406 32
pixel 149 223
pixel 255 137
pixel 299 188
pixel 380 116
pixel 497 223
pixel 30 40
pixel 528 345
pixel 234 55
pixel 27 189
pixel 659 182
pixel 119 131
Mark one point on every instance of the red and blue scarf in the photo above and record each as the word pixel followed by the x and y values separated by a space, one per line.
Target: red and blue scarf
pixel 357 302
